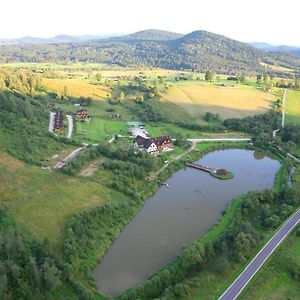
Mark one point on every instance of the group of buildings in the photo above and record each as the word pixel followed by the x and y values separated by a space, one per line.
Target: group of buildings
pixel 141 140
pixel 81 114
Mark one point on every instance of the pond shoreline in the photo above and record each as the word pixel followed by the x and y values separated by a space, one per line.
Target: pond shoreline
pixel 195 156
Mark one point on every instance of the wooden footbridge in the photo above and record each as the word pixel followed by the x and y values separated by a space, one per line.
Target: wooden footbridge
pixel 202 168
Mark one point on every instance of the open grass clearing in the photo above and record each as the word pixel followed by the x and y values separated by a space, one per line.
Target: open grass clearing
pixel 276 68
pixel 43 201
pixel 293 107
pixel 100 129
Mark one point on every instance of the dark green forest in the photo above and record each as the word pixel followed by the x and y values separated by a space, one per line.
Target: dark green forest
pixel 198 51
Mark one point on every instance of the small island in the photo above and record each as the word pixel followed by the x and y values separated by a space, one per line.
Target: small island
pixel 217 173
pixel 222 174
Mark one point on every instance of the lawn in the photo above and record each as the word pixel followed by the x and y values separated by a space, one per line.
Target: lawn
pixel 43 201
pixel 228 102
pixel 293 107
pixel 76 88
pixel 100 129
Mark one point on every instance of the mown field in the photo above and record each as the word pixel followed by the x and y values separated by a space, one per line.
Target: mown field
pixel 100 130
pixel 228 102
pixel 76 88
pixel 293 107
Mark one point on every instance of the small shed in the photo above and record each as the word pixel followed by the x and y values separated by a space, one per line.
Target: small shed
pixel 222 172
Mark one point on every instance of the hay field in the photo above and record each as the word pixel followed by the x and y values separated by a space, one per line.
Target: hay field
pixel 293 107
pixel 228 102
pixel 77 88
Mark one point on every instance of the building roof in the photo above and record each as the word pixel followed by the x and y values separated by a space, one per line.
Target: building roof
pixel 58 119
pixel 146 142
pixel 143 142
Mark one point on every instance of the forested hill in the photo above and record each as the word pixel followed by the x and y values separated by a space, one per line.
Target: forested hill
pixel 149 35
pixel 199 50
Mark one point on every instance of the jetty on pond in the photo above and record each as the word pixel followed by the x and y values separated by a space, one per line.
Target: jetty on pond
pixel 219 173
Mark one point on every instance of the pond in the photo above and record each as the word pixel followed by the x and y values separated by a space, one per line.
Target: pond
pixel 178 215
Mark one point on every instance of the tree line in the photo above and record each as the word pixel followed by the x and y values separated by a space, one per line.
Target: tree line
pixel 27 269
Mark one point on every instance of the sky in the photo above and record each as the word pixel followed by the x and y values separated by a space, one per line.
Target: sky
pixel 275 22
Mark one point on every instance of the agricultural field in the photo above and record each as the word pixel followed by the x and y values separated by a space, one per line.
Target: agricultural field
pixel 107 71
pixel 293 107
pixel 55 66
pixel 228 102
pixel 76 88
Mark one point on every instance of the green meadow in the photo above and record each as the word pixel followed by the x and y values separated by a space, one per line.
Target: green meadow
pixel 293 107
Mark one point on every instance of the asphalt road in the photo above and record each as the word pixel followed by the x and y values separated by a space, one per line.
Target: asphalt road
pixel 239 284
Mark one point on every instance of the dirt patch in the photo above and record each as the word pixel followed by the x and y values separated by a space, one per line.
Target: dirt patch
pixel 91 168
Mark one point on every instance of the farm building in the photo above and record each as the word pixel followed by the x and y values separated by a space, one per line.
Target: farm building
pixel 58 121
pixel 153 145
pixel 83 115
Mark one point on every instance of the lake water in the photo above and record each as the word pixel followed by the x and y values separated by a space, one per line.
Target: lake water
pixel 178 215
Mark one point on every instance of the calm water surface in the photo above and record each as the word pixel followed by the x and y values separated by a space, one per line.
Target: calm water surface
pixel 178 215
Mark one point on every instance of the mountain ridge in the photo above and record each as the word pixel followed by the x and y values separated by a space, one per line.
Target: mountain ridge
pixel 199 50
pixel 293 50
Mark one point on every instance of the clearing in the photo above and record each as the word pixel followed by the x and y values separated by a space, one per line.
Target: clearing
pixel 293 107
pixel 43 201
pixel 228 102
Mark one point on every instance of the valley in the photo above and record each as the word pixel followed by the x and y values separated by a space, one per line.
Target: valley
pixel 99 212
